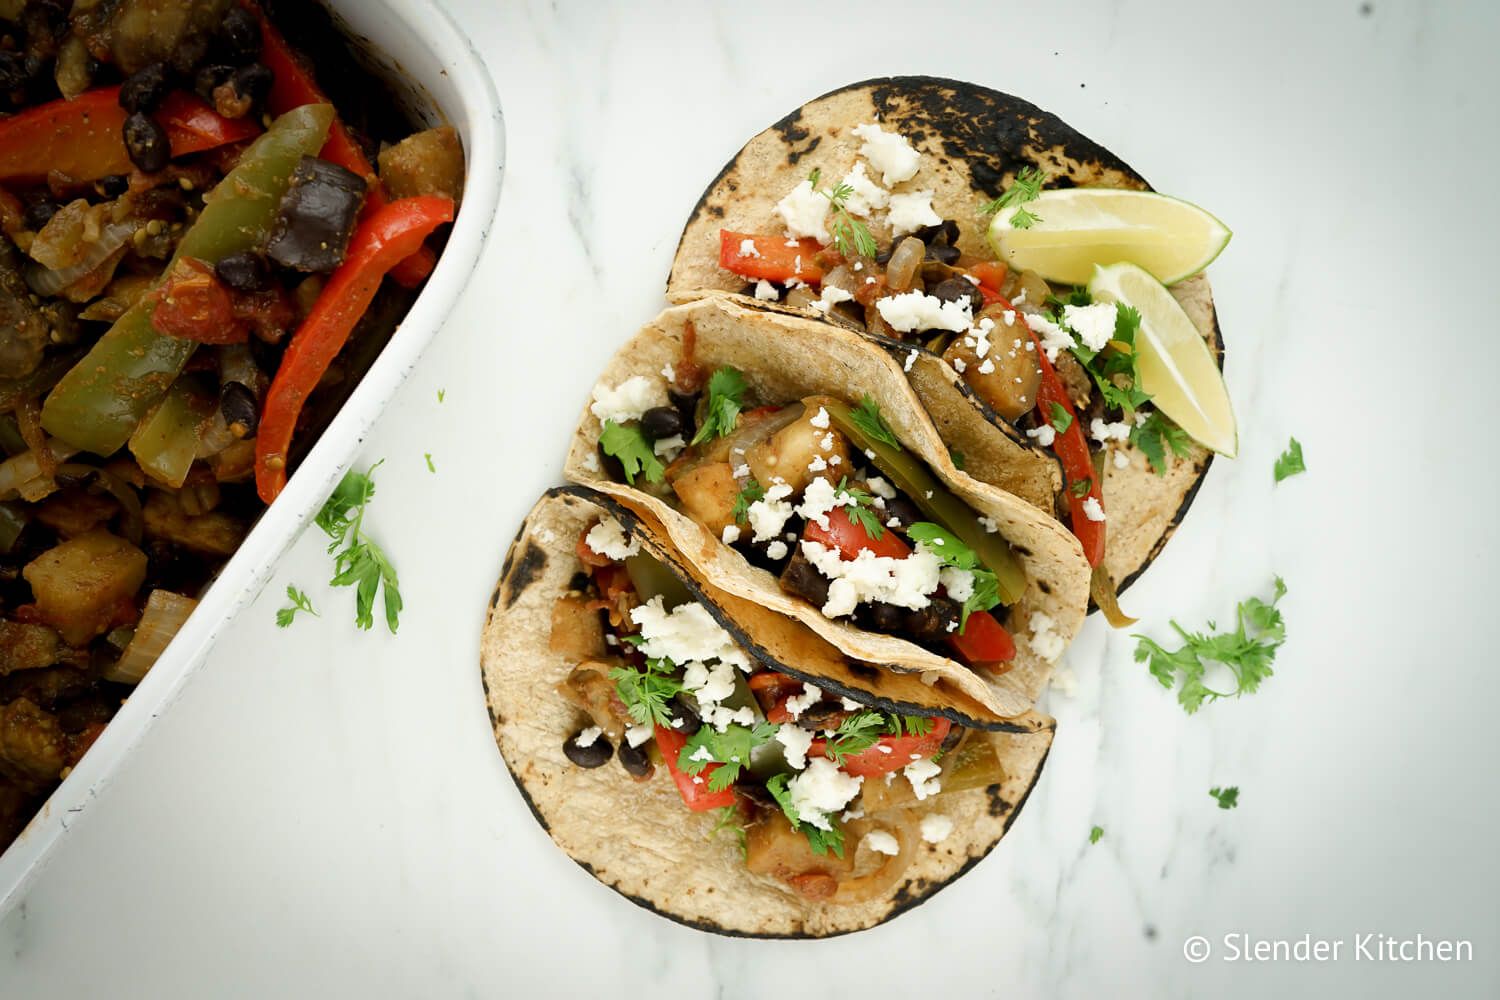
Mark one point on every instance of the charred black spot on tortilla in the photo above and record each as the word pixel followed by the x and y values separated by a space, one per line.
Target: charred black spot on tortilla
pixel 998 805
pixel 863 670
pixel 525 572
pixel 495 598
pixel 794 134
pixel 1044 586
pixel 717 211
pixel 1021 551
pixel 580 581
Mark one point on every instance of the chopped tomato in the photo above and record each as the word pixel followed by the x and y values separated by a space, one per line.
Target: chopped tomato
pixel 990 274
pixel 692 788
pixel 772 691
pixel 195 305
pixel 773 260
pixel 851 539
pixel 984 642
pixel 890 753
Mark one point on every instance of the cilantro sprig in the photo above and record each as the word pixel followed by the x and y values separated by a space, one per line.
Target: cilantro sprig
pixel 729 749
pixel 1155 436
pixel 860 509
pixel 728 818
pixel 358 561
pixel 820 840
pixel 1227 798
pixel 954 553
pixel 1061 418
pixel 859 731
pixel 1114 368
pixel 867 417
pixel 299 601
pixel 1248 651
pixel 646 694
pixel 749 493
pixel 726 392
pixel 1290 463
pixel 1026 187
pixel 1095 834
pixel 851 236
pixel 627 443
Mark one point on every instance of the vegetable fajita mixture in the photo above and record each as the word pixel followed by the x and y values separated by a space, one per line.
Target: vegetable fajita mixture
pixel 828 796
pixel 201 251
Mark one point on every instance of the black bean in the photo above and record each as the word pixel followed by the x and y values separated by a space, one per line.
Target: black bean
pixel 661 422
pixel 114 185
pixel 144 89
pixel 945 232
pixel 951 740
pixel 635 760
pixel 932 623
pixel 239 37
pixel 237 404
pixel 252 82
pixel 208 78
pixel 822 715
pixel 687 408
pixel 15 73
pixel 904 511
pixel 684 716
pixel 246 271
pixel 593 755
pixel 942 254
pixel 612 468
pixel 147 143
pixel 881 617
pixel 958 290
pixel 39 209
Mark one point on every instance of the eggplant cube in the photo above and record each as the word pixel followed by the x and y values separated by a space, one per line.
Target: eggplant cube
pixel 316 216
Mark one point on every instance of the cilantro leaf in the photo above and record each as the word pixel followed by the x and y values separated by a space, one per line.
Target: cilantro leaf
pixel 1155 435
pixel 1228 797
pixel 1027 186
pixel 1081 487
pixel 729 818
pixel 1290 463
pixel 953 552
pixel 729 749
pixel 360 563
pixel 1095 834
pixel 430 467
pixel 858 732
pixel 726 391
pixel 861 508
pixel 866 416
pixel 749 493
pixel 957 458
pixel 299 601
pixel 1022 219
pixel 628 444
pixel 850 235
pixel 1061 418
pixel 1248 651
pixel 646 694
pixel 821 841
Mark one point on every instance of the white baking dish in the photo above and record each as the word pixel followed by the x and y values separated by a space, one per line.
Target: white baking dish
pixel 414 44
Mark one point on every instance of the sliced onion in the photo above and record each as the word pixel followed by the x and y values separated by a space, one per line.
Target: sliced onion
pixel 905 260
pixel 877 883
pixel 46 282
pixel 164 615
pixel 132 517
pixel 22 475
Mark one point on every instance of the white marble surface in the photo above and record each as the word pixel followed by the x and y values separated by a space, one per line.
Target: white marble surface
pixel 323 813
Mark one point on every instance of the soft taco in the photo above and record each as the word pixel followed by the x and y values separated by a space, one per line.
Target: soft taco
pixel 791 463
pixel 716 762
pixel 870 208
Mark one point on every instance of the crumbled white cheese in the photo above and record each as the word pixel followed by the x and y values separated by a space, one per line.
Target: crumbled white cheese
pixel 669 448
pixel 923 775
pixel 820 419
pixel 721 718
pixel 916 310
pixel 1104 432
pixel 776 551
pixel 686 633
pixel 936 828
pixel 769 514
pixel 958 582
pixel 911 359
pixel 1045 642
pixel 912 211
pixel 636 735
pixel 629 399
pixel 749 249
pixel 799 703
pixel 818 464
pixel 881 488
pixel 702 753
pixel 591 461
pixel 1054 337
pixel 907 582
pixel 608 539
pixel 830 297
pixel 804 211
pixel 881 841
pixel 1045 434
pixel 959 365
pixel 987 367
pixel 731 534
pixel 546 535
pixel 765 291
pixel 889 153
pixel 1122 460
pixel 820 790
pixel 1092 509
pixel 588 737
pixel 1095 324
pixel 989 524
pixel 818 499
pixel 865 195
pixel 708 684
pixel 795 741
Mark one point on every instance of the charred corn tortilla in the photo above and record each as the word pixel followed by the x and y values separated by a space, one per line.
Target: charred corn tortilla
pixel 972 140
pixel 637 838
pixel 787 358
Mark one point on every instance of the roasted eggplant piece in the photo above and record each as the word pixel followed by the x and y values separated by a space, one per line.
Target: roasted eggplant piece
pixel 316 216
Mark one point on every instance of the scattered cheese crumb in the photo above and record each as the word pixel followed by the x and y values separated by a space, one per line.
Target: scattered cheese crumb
pixel 888 152
pixel 936 828
pixel 1092 509
pixel 804 211
pixel 765 291
pixel 912 211
pixel 881 841
pixel 608 539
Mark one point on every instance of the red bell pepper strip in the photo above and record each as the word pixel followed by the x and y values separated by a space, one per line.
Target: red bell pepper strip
pixel 292 86
pixel 983 641
pixel 1072 449
pixel 82 138
pixel 692 788
pixel 772 691
pixel 898 752
pixel 773 259
pixel 378 243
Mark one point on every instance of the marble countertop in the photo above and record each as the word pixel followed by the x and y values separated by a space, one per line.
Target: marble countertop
pixel 323 812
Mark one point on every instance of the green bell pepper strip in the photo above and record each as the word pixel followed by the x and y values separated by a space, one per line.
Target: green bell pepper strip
pixel 166 442
pixel 652 579
pixel 102 400
pixel 913 478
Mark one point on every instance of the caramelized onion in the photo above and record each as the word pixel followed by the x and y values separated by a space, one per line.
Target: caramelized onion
pixel 905 260
pixel 164 615
pixel 880 881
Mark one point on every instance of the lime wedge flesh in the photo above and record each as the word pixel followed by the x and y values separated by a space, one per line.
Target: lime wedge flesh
pixel 1078 229
pixel 1175 364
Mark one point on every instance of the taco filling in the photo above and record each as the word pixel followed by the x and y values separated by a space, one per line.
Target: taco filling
pixel 1060 367
pixel 829 797
pixel 823 495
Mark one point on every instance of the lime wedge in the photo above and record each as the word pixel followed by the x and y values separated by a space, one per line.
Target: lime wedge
pixel 1175 364
pixel 1077 229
